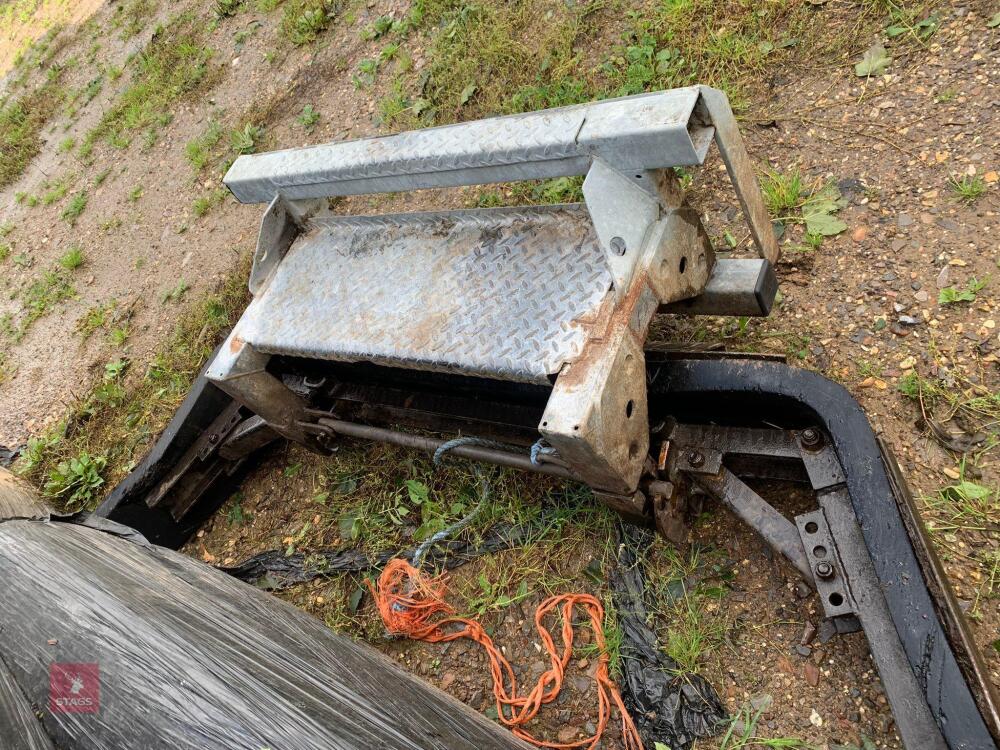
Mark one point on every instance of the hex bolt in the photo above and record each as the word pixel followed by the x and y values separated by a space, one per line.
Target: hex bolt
pixel 213 438
pixel 618 246
pixel 824 569
pixel 811 438
pixel 695 459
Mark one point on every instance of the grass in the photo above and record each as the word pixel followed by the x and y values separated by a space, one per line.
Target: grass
pixel 742 732
pixel 205 203
pixel 199 150
pixel 95 318
pixel 39 297
pixel 227 8
pixel 131 17
pixel 790 199
pixel 968 506
pixel 118 421
pixel 176 292
pixel 966 188
pixel 783 192
pixel 173 65
pixel 74 208
pixel 72 259
pixel 495 58
pixel 55 191
pixel 21 122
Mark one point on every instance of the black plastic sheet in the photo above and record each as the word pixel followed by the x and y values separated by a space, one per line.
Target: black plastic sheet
pixel 274 570
pixel 667 707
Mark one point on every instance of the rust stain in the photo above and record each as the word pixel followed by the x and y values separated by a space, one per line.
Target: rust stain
pixel 615 319
pixel 236 344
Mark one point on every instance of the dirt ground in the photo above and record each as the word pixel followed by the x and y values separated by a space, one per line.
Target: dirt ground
pixel 869 307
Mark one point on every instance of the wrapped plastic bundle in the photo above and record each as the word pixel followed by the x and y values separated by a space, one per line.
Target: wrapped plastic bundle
pixel 115 643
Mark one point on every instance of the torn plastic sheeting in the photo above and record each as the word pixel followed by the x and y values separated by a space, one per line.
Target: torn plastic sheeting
pixel 273 570
pixel 669 708
pixel 178 655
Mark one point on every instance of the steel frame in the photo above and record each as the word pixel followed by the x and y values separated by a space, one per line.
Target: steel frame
pixel 652 434
pixel 792 425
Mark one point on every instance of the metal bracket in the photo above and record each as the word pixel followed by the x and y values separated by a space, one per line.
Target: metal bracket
pixel 827 568
pixel 623 214
pixel 741 172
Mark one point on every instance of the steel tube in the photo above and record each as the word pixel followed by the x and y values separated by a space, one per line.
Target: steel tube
pixel 779 533
pixel 476 453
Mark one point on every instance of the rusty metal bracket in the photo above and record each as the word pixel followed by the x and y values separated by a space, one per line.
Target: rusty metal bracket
pixel 827 568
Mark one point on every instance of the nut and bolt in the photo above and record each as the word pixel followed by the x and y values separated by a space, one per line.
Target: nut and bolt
pixel 824 569
pixel 618 246
pixel 811 438
pixel 695 459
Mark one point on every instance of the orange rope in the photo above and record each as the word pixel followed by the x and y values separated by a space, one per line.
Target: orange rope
pixel 408 601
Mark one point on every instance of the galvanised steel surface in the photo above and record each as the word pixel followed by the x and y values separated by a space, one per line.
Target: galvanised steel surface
pixel 508 294
pixel 651 131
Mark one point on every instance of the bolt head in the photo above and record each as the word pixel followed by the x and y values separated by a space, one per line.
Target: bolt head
pixel 824 569
pixel 696 459
pixel 811 438
pixel 618 246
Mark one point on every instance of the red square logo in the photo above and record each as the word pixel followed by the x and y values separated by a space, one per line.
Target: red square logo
pixel 74 688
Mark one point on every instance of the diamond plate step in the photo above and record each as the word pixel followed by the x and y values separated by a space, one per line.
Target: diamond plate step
pixel 507 294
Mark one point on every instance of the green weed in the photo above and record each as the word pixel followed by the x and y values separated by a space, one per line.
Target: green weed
pixel 245 140
pixel 308 118
pixel 76 481
pixel 305 20
pixel 951 296
pixel 967 188
pixel 74 208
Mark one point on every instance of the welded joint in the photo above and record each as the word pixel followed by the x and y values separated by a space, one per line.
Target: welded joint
pixel 647 233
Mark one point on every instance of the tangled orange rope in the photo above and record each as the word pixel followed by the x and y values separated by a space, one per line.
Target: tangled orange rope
pixel 407 601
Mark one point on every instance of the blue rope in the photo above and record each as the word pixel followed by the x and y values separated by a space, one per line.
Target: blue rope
pixel 425 546
pixel 541 449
